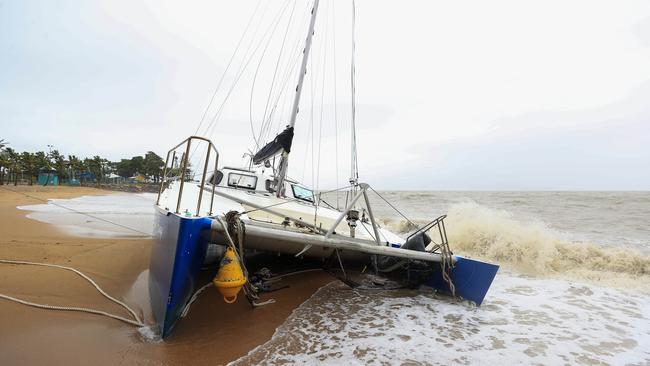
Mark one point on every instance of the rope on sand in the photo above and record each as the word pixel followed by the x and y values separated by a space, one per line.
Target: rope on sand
pixel 233 221
pixel 135 321
pixel 186 309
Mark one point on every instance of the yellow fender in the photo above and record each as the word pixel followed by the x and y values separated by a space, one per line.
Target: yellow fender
pixel 230 278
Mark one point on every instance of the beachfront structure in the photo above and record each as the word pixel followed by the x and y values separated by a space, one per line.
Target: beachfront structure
pixel 137 178
pixel 48 177
pixel 113 178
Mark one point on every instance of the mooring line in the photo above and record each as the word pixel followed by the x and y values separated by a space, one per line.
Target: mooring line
pixel 135 321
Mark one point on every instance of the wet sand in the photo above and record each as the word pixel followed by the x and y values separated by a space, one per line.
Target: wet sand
pixel 213 333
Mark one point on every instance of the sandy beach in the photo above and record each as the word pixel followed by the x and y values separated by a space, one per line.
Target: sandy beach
pixel 213 333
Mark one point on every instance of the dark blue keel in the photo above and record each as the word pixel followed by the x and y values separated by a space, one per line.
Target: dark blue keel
pixel 177 255
pixel 471 278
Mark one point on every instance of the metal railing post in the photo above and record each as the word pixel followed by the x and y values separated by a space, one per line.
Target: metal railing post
pixel 185 159
pixel 205 171
pixel 184 167
pixel 214 183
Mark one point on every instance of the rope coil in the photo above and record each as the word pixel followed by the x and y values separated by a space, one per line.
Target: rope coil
pixel 135 321
pixel 236 226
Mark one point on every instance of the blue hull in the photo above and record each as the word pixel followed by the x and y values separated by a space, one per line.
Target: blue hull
pixel 471 279
pixel 177 255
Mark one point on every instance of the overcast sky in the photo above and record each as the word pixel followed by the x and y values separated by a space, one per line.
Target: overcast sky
pixel 480 95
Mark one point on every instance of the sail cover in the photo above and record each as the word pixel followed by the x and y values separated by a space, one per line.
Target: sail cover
pixel 281 143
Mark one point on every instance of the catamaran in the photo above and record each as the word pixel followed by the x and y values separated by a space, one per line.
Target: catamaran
pixel 227 210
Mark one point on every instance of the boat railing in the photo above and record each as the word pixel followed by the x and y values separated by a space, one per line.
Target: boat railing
pixel 184 166
pixel 438 223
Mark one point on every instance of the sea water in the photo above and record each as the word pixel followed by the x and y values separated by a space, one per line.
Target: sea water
pixel 110 215
pixel 573 288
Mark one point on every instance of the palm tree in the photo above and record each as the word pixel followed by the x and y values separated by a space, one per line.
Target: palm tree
pixel 4 160
pixel 59 164
pixel 42 160
pixel 76 166
pixel 14 162
pixel 98 166
pixel 29 164
pixel 4 165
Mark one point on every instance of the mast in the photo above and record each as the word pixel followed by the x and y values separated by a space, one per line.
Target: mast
pixel 284 161
pixel 354 168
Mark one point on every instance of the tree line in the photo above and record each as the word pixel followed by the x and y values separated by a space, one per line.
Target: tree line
pixel 27 165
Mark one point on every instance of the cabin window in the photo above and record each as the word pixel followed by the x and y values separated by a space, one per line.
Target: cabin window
pixel 242 180
pixel 302 193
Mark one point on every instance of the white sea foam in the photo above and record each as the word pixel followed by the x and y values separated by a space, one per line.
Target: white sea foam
pixel 523 320
pixel 111 215
pixel 149 334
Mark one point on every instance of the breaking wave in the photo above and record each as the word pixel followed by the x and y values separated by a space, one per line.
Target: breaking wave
pixel 534 248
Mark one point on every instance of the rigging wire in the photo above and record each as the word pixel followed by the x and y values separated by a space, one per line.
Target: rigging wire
pixel 311 117
pixel 207 130
pixel 320 122
pixel 322 100
pixel 395 208
pixel 225 71
pixel 259 64
pixel 336 122
pixel 354 164
pixel 307 145
pixel 312 131
pixel 215 119
pixel 313 76
pixel 275 71
pixel 268 121
pixel 281 93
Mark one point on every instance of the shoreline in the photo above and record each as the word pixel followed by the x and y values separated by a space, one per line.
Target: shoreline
pixel 212 333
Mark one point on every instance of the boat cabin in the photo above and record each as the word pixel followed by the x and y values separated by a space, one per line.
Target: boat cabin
pixel 259 182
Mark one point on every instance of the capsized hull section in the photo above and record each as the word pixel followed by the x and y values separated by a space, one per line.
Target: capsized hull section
pixel 471 279
pixel 178 251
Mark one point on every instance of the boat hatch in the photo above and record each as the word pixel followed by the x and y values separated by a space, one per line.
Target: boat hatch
pixel 302 193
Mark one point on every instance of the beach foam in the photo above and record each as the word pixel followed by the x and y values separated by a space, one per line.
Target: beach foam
pixel 523 321
pixel 105 216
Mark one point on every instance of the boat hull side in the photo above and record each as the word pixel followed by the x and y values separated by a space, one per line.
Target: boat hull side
pixel 177 255
pixel 471 278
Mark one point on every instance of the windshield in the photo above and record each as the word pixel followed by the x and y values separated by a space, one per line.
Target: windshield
pixel 302 193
